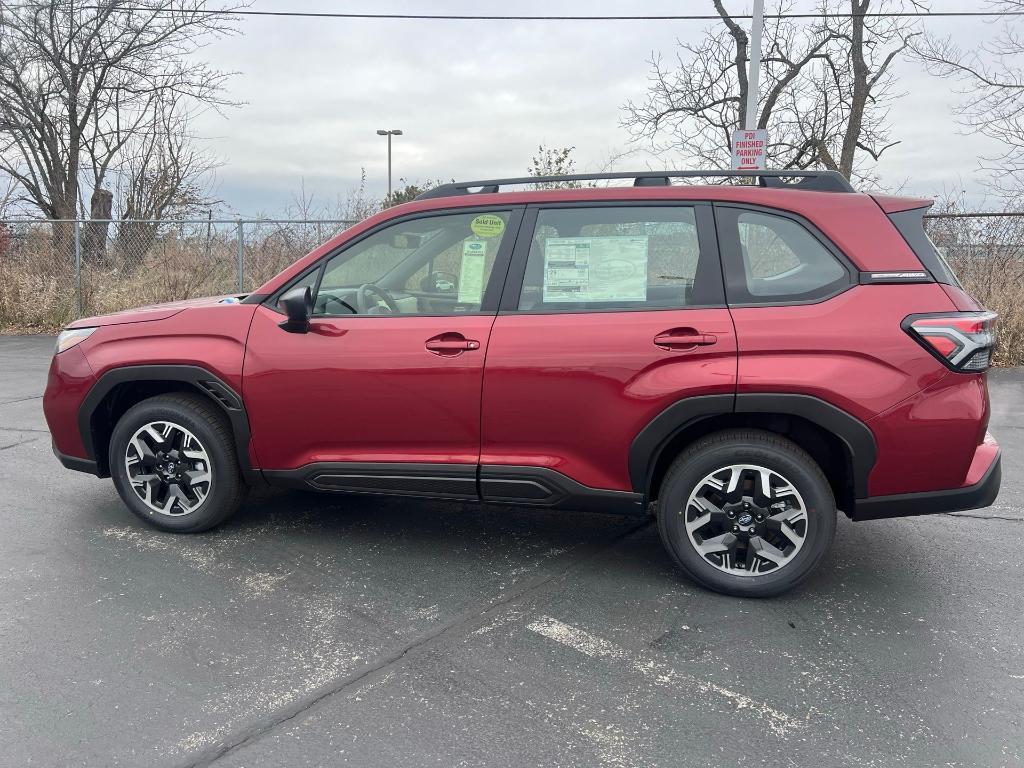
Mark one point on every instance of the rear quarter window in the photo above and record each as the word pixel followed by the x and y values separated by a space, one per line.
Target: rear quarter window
pixel 773 258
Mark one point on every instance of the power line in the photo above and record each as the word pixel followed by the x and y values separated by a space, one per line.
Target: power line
pixel 475 17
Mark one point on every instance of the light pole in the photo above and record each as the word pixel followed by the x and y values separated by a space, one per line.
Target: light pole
pixel 389 134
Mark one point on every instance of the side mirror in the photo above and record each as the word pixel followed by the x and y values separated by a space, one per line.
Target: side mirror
pixel 297 304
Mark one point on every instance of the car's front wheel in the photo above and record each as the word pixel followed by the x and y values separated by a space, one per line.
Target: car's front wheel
pixel 173 462
pixel 746 513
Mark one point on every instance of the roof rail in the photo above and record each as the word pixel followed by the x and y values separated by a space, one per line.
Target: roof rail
pixel 818 181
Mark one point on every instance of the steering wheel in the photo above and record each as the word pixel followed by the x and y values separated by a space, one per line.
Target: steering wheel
pixel 327 300
pixel 365 299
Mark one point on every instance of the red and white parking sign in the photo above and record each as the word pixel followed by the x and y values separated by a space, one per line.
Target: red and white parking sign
pixel 749 149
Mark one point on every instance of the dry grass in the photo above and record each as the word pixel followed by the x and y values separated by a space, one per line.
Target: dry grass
pixel 39 290
pixel 998 284
pixel 987 254
pixel 38 285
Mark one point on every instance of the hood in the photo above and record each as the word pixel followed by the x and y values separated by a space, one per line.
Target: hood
pixel 152 312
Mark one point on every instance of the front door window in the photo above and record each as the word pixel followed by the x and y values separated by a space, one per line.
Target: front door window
pixel 428 265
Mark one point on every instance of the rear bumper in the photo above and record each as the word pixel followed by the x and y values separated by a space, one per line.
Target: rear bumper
pixel 75 463
pixel 974 496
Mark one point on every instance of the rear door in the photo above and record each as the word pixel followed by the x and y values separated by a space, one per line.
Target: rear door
pixel 611 314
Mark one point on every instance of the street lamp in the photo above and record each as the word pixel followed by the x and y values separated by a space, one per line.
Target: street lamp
pixel 389 134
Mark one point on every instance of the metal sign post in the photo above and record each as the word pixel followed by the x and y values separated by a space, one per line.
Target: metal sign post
pixel 754 72
pixel 750 143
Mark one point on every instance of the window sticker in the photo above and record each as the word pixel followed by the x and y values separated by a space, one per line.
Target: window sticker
pixel 585 269
pixel 471 273
pixel 487 225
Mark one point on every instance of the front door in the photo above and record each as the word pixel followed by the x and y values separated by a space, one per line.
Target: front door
pixel 612 314
pixel 390 371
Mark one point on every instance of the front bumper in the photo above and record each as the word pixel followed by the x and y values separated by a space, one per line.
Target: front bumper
pixel 69 380
pixel 975 496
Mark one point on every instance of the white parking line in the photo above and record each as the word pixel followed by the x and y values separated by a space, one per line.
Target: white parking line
pixel 596 647
pixel 578 639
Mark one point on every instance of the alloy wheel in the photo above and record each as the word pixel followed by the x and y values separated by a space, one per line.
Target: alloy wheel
pixel 168 468
pixel 746 520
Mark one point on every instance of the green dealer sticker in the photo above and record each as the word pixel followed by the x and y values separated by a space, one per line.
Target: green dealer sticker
pixel 487 225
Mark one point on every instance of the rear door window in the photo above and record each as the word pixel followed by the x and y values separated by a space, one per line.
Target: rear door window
pixel 615 257
pixel 772 258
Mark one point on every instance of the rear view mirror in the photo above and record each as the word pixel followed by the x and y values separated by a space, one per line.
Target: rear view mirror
pixel 406 242
pixel 297 304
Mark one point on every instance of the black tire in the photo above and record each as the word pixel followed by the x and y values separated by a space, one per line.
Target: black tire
pixel 719 451
pixel 208 425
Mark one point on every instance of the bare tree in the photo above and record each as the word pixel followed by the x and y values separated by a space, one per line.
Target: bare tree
pixel 163 174
pixel 991 77
pixel 8 190
pixel 310 223
pixel 78 81
pixel 8 186
pixel 824 95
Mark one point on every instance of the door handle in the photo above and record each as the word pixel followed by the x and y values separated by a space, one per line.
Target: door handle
pixel 451 344
pixel 684 338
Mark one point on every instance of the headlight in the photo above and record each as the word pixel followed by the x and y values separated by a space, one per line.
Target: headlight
pixel 72 337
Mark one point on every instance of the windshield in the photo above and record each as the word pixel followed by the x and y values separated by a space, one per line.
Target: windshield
pixel 371 259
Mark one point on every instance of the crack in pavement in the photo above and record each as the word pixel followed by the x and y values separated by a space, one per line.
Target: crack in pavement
pixel 985 517
pixel 21 399
pixel 20 442
pixel 846 643
pixel 262 727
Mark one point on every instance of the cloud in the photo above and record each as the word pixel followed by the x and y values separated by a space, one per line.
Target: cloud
pixel 476 98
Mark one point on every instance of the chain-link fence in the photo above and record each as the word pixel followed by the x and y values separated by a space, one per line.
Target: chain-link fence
pixel 967 236
pixel 52 272
pixel 986 251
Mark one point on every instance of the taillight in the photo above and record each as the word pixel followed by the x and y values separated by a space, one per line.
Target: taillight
pixel 962 340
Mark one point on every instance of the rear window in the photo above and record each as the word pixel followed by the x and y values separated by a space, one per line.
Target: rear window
pixel 910 224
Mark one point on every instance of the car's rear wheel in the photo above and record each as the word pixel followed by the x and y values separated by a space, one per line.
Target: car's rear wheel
pixel 173 461
pixel 746 512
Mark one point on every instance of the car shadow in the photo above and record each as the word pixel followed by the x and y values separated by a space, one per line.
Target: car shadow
pixel 868 560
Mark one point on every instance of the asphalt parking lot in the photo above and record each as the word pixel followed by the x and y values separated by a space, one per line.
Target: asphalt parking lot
pixel 328 630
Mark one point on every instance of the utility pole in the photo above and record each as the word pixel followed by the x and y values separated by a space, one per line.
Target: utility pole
pixel 389 134
pixel 755 64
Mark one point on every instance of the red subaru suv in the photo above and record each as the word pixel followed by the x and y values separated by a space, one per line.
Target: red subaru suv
pixel 739 360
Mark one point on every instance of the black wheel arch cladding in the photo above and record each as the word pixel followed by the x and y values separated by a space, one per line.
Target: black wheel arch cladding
pixel 193 378
pixel 856 437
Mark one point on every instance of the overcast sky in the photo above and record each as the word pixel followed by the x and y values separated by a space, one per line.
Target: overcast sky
pixel 475 98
